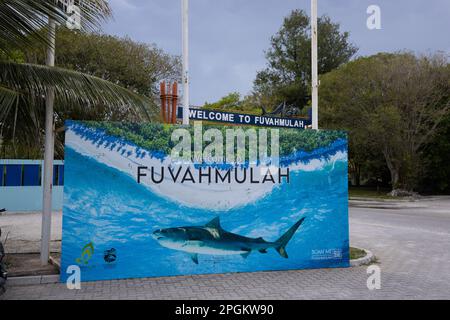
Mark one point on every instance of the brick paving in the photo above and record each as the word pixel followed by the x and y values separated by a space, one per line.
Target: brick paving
pixel 412 244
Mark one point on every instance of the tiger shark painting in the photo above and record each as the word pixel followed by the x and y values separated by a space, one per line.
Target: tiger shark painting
pixel 211 239
pixel 161 200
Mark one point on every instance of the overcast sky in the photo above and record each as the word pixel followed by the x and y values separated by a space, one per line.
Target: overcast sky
pixel 228 37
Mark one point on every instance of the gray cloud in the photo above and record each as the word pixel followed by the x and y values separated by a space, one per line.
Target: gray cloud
pixel 228 37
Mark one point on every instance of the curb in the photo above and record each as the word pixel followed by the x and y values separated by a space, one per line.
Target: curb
pixel 393 199
pixel 32 280
pixel 52 279
pixel 385 203
pixel 369 258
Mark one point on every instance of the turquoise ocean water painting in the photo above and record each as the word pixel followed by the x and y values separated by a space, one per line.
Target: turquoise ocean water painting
pixel 115 227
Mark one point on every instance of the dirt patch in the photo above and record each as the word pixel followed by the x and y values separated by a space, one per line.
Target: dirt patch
pixel 29 264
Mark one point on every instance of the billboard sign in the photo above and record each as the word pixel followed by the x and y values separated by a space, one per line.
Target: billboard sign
pixel 148 200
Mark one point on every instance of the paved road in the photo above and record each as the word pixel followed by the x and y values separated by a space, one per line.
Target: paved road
pixel 411 240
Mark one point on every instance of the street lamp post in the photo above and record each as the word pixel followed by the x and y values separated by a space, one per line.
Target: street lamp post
pixel 48 154
pixel 314 68
pixel 73 22
pixel 185 36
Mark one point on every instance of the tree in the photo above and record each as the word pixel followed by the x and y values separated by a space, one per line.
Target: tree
pixel 136 66
pixel 23 86
pixel 227 103
pixel 435 176
pixel 392 104
pixel 288 74
pixel 233 102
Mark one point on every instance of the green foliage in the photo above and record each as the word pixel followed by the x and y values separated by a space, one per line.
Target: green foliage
pixel 233 103
pixel 97 77
pixel 287 77
pixel 292 140
pixel 21 20
pixel 157 137
pixel 357 253
pixel 13 56
pixel 393 105
pixel 136 66
pixel 24 86
pixel 227 103
pixel 435 177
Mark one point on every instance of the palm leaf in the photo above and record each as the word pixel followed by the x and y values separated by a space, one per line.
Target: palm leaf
pixel 71 89
pixel 22 20
pixel 8 98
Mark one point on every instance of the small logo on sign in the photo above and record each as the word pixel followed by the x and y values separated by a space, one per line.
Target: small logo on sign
pixel 110 255
pixel 326 254
pixel 86 254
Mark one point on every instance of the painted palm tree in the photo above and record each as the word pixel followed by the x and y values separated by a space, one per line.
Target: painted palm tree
pixel 23 87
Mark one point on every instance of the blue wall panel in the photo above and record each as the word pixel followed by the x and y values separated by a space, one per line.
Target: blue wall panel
pixel 28 199
pixel 22 190
pixel 61 175
pixel 55 175
pixel 31 175
pixel 13 175
pixel 2 173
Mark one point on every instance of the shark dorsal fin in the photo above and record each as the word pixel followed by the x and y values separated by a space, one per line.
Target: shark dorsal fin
pixel 194 258
pixel 214 223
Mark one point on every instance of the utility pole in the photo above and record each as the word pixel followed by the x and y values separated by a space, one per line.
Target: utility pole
pixel 73 22
pixel 185 36
pixel 314 68
pixel 49 152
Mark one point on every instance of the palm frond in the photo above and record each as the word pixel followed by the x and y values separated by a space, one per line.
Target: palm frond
pixel 8 98
pixel 70 87
pixel 21 20
pixel 93 12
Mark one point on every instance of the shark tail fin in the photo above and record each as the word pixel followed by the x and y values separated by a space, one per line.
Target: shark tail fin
pixel 285 238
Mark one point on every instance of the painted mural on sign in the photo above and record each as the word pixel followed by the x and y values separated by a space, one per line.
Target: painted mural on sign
pixel 148 200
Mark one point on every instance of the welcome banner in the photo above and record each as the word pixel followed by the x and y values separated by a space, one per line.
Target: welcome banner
pixel 148 200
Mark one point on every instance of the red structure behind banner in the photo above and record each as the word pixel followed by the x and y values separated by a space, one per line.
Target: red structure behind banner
pixel 169 102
